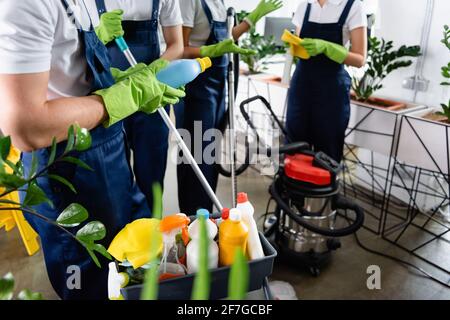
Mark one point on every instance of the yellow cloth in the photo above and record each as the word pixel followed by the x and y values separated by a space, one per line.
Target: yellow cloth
pixel 297 50
pixel 10 219
pixel 134 243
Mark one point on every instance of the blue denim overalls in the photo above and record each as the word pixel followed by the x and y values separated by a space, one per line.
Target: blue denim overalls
pixel 319 98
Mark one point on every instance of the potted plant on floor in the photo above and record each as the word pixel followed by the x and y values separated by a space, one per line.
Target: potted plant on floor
pixel 264 47
pixel 382 60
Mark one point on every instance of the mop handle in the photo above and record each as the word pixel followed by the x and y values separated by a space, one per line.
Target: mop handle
pixel 121 43
pixel 231 107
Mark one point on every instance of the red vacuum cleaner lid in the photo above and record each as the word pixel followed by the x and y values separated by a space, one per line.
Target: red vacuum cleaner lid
pixel 300 167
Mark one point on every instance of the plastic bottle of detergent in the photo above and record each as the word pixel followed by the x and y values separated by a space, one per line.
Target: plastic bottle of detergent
pixel 225 215
pixel 254 247
pixel 180 72
pixel 233 234
pixel 193 248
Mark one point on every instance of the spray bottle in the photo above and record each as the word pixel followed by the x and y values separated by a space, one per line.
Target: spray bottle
pixel 181 72
pixel 171 226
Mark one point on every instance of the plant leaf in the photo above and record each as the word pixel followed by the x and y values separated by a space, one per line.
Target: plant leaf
pixel 5 147
pixel 150 287
pixel 91 232
pixel 11 181
pixel 70 139
pixel 28 295
pixel 73 216
pixel 7 287
pixel 239 277
pixel 34 165
pixel 83 139
pixel 202 278
pixel 35 196
pixel 52 156
pixel 63 181
pixel 77 162
pixel 157 201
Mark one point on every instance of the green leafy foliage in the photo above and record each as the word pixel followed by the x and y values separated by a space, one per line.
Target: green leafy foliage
pixel 446 72
pixel 91 232
pixel 382 60
pixel 35 195
pixel 79 139
pixel 264 47
pixel 7 287
pixel 202 281
pixel 239 277
pixel 72 216
pixel 28 295
pixel 150 287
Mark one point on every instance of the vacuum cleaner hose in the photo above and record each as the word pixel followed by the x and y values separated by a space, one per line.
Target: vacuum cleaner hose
pixel 340 203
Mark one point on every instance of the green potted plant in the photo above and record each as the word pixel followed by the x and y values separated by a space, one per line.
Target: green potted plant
pixel 382 60
pixel 264 47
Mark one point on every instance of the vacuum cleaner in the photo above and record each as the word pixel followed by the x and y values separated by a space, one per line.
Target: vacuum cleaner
pixel 306 192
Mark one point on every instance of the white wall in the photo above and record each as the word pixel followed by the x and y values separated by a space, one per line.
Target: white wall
pixel 402 21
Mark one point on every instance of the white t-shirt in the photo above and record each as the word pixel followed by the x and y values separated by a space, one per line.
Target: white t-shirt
pixel 39 36
pixel 194 17
pixel 330 13
pixel 139 10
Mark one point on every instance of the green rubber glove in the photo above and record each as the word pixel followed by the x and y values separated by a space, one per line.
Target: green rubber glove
pixel 264 8
pixel 333 51
pixel 110 26
pixel 222 48
pixel 138 89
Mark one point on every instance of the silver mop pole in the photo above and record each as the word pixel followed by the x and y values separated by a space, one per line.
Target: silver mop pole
pixel 231 105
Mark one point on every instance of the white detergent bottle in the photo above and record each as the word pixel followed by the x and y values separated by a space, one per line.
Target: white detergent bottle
pixel 193 248
pixel 254 247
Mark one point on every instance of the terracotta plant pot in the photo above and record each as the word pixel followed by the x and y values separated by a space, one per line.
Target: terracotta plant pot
pixel 434 116
pixel 381 103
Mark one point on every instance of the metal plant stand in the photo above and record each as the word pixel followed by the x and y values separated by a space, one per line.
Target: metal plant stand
pixel 369 146
pixel 421 173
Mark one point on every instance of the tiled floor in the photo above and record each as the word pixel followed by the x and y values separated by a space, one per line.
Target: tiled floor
pixel 344 278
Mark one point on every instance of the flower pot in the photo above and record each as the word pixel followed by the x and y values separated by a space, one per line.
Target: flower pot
pixel 381 103
pixel 424 143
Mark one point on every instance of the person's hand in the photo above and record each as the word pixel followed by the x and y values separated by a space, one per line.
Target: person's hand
pixel 264 8
pixel 222 48
pixel 333 51
pixel 110 26
pixel 155 66
pixel 138 90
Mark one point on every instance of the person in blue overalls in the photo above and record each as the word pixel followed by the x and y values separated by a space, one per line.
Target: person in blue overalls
pixel 147 135
pixel 55 72
pixel 319 97
pixel 205 33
